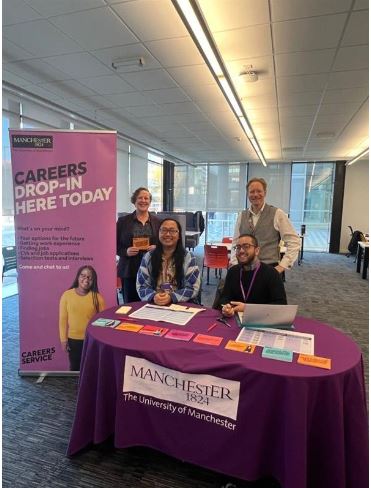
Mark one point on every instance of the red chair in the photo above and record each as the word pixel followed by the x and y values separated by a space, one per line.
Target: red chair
pixel 227 240
pixel 215 257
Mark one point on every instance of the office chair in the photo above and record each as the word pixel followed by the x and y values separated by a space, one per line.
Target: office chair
pixel 215 257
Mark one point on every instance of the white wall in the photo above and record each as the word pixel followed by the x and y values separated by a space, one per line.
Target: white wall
pixel 355 204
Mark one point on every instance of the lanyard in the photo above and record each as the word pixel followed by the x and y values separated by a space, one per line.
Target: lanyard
pixel 246 296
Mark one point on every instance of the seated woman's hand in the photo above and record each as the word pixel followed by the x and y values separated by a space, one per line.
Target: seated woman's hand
pixel 162 298
pixel 152 247
pixel 227 310
pixel 132 251
pixel 238 306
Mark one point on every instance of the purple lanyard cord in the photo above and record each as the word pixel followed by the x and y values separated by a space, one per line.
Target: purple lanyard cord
pixel 246 296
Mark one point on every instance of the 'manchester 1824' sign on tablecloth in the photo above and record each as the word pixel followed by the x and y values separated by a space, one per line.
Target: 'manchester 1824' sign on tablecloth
pixel 144 379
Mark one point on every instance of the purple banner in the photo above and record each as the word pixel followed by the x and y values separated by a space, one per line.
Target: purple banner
pixel 65 215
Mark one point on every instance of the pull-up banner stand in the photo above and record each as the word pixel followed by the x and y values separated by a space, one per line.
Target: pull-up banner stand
pixel 65 215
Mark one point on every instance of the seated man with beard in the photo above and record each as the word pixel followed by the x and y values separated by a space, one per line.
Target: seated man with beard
pixel 250 281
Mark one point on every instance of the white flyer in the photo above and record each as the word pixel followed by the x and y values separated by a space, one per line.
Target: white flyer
pixel 299 342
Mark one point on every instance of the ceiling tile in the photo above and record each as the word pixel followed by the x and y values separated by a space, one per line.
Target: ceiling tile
pixel 339 108
pixel 252 41
pixel 11 52
pixel 175 52
pixel 179 108
pixel 346 95
pixel 17 12
pixel 351 58
pixel 79 65
pixel 308 34
pixel 93 29
pixel 15 79
pixel 298 110
pixel 146 111
pixel 192 75
pixel 48 8
pixel 357 30
pixel 303 98
pixel 304 63
pixel 205 92
pixel 132 99
pixel 301 83
pixel 31 36
pixel 107 85
pixel 169 95
pixel 167 22
pixel 234 14
pixel 264 86
pixel 262 101
pixel 361 4
pixel 68 89
pixel 35 71
pixel 296 9
pixel 149 80
pixel 348 79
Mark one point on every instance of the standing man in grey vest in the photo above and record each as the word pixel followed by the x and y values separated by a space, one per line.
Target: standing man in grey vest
pixel 269 225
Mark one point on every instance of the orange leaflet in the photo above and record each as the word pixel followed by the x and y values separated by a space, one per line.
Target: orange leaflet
pixel 315 361
pixel 207 339
pixel 129 327
pixel 240 346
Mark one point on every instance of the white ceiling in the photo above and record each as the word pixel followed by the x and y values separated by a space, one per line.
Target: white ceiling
pixel 309 103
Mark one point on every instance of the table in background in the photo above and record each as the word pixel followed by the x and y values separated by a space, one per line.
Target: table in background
pixel 305 426
pixel 362 250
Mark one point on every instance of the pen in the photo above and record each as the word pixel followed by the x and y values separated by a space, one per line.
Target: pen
pixel 223 321
pixel 212 326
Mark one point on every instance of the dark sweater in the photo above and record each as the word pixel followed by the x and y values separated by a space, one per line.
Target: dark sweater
pixel 267 288
pixel 128 266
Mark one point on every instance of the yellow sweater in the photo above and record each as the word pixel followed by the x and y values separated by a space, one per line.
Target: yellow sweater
pixel 75 312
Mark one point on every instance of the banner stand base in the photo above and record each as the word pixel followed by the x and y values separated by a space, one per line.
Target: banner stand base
pixel 44 374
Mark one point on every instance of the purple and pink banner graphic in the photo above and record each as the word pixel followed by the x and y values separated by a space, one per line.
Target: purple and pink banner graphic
pixel 65 218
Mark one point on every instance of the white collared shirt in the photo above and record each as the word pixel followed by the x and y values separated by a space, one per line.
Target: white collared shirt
pixel 286 230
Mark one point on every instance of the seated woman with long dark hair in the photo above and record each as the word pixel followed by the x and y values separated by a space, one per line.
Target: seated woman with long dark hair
pixel 169 273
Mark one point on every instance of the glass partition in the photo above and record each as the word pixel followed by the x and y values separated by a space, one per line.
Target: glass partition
pixel 311 202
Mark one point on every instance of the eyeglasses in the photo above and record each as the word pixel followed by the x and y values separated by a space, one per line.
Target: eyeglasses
pixel 243 247
pixel 172 232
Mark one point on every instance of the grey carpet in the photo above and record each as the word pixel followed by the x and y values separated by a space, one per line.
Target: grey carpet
pixel 37 418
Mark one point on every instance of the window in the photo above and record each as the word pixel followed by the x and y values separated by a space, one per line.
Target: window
pixel 155 165
pixel 311 202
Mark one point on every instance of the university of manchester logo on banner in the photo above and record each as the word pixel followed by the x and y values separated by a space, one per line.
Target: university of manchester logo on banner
pixel 201 391
pixel 25 141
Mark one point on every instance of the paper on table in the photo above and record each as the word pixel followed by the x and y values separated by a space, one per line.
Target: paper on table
pixel 129 327
pixel 208 339
pixel 163 314
pixel 240 347
pixel 153 330
pixel 282 339
pixel 123 310
pixel 316 361
pixel 179 335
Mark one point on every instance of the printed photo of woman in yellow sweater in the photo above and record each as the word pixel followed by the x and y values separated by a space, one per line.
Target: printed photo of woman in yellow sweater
pixel 76 308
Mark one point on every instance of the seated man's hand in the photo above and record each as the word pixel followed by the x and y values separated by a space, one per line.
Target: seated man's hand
pixel 227 310
pixel 162 298
pixel 238 306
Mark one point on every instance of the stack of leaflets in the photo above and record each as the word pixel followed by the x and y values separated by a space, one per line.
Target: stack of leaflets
pixel 101 322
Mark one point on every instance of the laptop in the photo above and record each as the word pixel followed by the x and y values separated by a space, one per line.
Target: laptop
pixel 276 316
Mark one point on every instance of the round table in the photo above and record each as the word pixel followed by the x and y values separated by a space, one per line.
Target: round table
pixel 305 426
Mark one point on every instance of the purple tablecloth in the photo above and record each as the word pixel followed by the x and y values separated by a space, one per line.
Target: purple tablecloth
pixel 305 426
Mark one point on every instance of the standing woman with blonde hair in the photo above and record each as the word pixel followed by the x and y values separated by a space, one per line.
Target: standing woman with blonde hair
pixel 136 233
pixel 77 306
